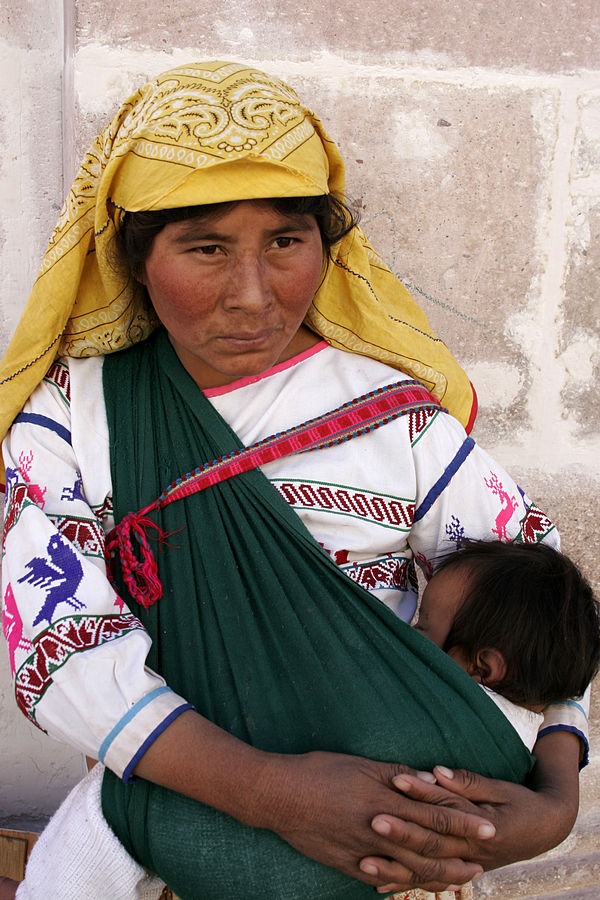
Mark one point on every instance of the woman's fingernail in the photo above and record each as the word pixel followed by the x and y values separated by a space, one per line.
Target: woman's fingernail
pixel 381 826
pixel 486 831
pixel 369 869
pixel 447 773
pixel 401 783
pixel 426 776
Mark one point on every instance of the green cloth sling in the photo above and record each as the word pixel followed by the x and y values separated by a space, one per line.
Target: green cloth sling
pixel 264 634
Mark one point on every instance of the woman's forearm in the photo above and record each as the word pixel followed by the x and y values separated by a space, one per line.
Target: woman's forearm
pixel 320 803
pixel 196 758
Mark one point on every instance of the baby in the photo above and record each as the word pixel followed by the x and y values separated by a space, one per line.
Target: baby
pixel 521 620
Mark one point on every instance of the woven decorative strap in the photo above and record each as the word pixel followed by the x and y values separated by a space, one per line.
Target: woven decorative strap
pixel 350 420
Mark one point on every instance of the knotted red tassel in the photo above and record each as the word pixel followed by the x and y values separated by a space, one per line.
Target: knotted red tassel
pixel 140 574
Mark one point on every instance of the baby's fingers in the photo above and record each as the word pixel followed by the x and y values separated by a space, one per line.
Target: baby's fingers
pixel 468 815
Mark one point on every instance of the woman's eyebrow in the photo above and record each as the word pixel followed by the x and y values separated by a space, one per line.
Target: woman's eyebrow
pixel 199 232
pixel 290 225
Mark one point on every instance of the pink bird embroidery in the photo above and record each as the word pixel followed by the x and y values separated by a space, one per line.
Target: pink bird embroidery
pixel 12 626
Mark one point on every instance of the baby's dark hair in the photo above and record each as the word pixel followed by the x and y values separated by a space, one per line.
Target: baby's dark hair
pixel 136 234
pixel 532 604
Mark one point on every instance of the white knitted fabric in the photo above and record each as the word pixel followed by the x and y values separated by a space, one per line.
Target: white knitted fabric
pixel 78 857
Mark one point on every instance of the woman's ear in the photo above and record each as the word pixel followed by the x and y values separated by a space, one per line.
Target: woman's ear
pixel 490 665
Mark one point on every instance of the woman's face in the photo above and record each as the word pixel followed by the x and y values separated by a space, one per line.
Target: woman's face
pixel 232 289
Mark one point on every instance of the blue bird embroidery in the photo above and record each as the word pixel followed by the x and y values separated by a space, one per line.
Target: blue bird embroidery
pixel 61 576
pixel 76 492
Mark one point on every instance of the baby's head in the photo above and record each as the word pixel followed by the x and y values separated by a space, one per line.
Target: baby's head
pixel 520 618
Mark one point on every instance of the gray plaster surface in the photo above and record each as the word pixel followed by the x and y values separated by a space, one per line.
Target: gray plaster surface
pixel 540 36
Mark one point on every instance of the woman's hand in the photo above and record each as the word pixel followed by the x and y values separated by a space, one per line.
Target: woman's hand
pixel 320 803
pixel 323 804
pixel 528 820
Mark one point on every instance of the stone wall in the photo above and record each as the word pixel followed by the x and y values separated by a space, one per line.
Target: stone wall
pixel 471 132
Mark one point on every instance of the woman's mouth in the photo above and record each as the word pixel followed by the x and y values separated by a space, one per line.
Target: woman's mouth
pixel 249 340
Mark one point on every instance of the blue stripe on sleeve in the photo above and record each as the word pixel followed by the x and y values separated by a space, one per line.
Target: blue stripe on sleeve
pixel 129 715
pixel 127 777
pixel 444 479
pixel 572 703
pixel 45 422
pixel 572 730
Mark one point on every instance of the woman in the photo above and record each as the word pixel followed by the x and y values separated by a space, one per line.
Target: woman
pixel 209 206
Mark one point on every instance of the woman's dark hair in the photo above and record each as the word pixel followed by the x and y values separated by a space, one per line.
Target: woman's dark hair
pixel 138 229
pixel 532 604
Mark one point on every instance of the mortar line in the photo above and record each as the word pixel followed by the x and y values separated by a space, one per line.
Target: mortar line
pixel 329 67
pixel 549 377
pixel 68 96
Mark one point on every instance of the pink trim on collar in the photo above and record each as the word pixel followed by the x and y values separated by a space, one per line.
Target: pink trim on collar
pixel 252 379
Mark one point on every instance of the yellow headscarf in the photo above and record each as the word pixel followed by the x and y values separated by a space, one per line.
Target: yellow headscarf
pixel 208 133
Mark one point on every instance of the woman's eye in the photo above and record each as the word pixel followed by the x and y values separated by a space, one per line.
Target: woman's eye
pixel 283 242
pixel 206 249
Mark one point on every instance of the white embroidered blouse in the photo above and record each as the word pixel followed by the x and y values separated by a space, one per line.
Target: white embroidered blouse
pixel 377 504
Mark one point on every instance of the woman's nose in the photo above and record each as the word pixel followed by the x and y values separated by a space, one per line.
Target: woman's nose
pixel 249 287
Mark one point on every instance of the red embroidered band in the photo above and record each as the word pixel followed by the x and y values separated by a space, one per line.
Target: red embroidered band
pixel 348 421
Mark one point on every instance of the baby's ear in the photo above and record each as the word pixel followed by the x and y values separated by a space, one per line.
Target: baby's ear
pixel 491 666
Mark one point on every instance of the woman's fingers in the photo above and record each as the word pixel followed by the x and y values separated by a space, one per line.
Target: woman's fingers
pixel 436 842
pixel 417 871
pixel 525 822
pixel 434 856
pixel 443 811
pixel 420 857
pixel 452 789
pixel 345 812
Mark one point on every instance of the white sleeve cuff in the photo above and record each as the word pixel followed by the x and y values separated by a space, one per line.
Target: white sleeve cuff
pixel 138 729
pixel 108 704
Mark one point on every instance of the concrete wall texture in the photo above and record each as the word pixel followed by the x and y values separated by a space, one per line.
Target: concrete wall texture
pixel 471 132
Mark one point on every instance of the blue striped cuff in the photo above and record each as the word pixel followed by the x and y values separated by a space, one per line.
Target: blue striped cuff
pixel 571 728
pixel 129 715
pixel 127 777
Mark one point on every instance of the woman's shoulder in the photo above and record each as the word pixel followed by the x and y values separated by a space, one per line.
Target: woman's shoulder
pixel 71 396
pixel 300 390
pixel 73 370
pixel 68 384
pixel 361 370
